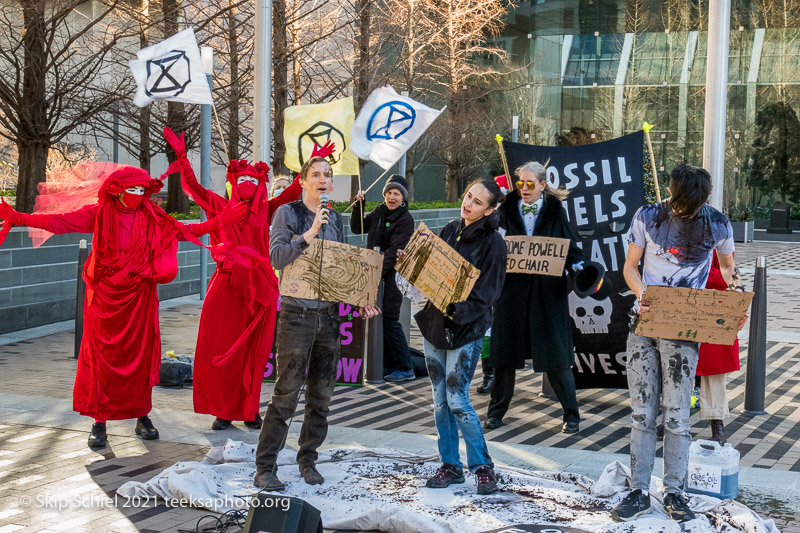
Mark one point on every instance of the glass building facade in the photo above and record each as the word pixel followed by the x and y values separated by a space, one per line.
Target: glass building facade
pixel 607 66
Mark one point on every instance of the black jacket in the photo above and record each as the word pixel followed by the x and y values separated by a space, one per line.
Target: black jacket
pixel 531 318
pixel 388 230
pixel 481 245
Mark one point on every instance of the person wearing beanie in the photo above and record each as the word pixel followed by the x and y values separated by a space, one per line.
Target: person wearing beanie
pixel 389 228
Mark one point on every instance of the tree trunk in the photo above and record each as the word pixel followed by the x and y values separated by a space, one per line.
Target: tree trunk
pixel 280 83
pixel 177 201
pixel 32 164
pixel 364 23
pixel 33 139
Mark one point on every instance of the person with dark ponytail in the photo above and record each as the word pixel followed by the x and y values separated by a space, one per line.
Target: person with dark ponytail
pixel 389 228
pixel 453 339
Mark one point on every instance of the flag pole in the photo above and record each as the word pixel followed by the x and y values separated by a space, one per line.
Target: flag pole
pixel 499 140
pixel 647 127
pixel 221 135
pixel 368 188
pixel 363 208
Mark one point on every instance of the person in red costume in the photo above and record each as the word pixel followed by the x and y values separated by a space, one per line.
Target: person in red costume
pixel 716 361
pixel 134 247
pixel 238 317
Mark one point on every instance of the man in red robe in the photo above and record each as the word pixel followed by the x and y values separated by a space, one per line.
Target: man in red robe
pixel 134 248
pixel 238 317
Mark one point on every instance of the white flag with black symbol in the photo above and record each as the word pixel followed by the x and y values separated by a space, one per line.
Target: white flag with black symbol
pixel 388 125
pixel 171 70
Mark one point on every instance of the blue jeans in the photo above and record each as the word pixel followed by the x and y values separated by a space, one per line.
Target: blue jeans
pixel 451 373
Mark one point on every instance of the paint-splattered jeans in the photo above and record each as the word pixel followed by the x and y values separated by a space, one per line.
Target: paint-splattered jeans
pixel 451 373
pixel 297 329
pixel 660 369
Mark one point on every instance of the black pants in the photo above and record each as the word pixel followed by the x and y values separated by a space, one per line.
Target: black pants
pixel 396 354
pixel 296 331
pixel 562 381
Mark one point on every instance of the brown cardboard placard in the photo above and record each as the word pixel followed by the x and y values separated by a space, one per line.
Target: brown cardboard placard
pixel 349 274
pixel 435 269
pixel 536 255
pixel 700 315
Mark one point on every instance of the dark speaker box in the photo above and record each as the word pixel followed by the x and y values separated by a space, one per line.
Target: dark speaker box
pixel 779 219
pixel 272 513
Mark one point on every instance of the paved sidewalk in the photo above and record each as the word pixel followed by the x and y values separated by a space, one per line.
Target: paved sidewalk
pixel 43 453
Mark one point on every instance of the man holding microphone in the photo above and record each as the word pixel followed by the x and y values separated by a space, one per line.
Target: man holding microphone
pixel 307 334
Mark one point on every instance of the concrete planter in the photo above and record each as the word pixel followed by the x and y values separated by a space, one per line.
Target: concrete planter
pixel 743 231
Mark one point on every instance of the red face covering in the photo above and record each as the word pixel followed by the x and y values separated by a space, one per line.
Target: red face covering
pixel 132 201
pixel 247 189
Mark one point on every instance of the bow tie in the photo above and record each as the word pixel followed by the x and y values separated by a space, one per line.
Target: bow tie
pixel 534 209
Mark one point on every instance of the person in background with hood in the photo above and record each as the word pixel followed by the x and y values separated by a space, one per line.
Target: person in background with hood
pixel 453 339
pixel 389 228
pixel 238 317
pixel 134 248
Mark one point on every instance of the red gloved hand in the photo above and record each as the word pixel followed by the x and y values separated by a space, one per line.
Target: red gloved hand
pixel 177 143
pixel 8 213
pixel 324 151
pixel 232 211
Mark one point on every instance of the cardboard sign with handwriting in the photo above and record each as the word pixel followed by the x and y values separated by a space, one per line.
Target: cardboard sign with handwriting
pixel 435 269
pixel 536 255
pixel 700 315
pixel 349 274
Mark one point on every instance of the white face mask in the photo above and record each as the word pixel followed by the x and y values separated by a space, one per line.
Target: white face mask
pixel 138 191
pixel 242 179
pixel 277 191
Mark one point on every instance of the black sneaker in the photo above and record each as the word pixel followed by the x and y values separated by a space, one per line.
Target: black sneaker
pixel 677 507
pixel 145 428
pixel 487 479
pixel 98 438
pixel 445 476
pixel 632 506
pixel 255 423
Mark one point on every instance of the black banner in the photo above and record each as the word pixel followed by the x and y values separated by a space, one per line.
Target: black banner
pixel 606 187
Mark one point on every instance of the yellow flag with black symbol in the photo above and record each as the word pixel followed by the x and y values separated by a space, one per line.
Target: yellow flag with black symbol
pixel 305 125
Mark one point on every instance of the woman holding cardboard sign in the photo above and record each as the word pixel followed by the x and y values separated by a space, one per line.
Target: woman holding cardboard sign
pixel 531 318
pixel 453 340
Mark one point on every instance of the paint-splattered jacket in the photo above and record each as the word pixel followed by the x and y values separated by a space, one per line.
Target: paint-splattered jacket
pixel 481 245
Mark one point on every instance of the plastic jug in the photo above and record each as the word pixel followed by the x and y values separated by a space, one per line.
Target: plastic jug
pixel 713 469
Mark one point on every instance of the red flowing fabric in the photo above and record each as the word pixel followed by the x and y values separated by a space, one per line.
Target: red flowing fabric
pixel 238 317
pixel 716 358
pixel 132 251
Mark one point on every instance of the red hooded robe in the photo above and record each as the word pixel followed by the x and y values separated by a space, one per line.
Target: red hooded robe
pixel 133 250
pixel 238 317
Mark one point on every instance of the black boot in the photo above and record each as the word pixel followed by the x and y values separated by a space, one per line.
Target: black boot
pixel 97 438
pixel 145 428
pixel 488 377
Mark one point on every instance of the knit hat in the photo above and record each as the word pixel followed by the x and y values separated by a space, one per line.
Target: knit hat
pixel 396 181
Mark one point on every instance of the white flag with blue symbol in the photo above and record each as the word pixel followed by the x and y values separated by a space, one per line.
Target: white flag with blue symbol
pixel 171 70
pixel 388 125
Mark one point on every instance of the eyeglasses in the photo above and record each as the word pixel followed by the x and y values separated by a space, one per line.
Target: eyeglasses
pixel 529 183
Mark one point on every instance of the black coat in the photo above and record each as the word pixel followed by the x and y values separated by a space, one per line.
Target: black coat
pixel 531 317
pixel 388 231
pixel 481 245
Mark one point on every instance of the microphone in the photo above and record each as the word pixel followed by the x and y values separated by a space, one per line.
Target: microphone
pixel 324 198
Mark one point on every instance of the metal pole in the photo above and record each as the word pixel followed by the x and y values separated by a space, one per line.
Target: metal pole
pixel 375 344
pixel 262 82
pixel 205 159
pixel 719 23
pixel 755 381
pixel 83 254
pixel 514 128
pixel 402 169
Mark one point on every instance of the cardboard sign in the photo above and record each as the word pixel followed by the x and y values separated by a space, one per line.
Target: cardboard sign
pixel 536 255
pixel 352 337
pixel 349 274
pixel 700 315
pixel 436 270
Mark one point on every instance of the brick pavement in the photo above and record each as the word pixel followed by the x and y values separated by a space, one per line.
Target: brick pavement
pixel 43 452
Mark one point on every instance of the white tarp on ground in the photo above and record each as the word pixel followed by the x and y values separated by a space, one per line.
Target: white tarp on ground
pixel 385 489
